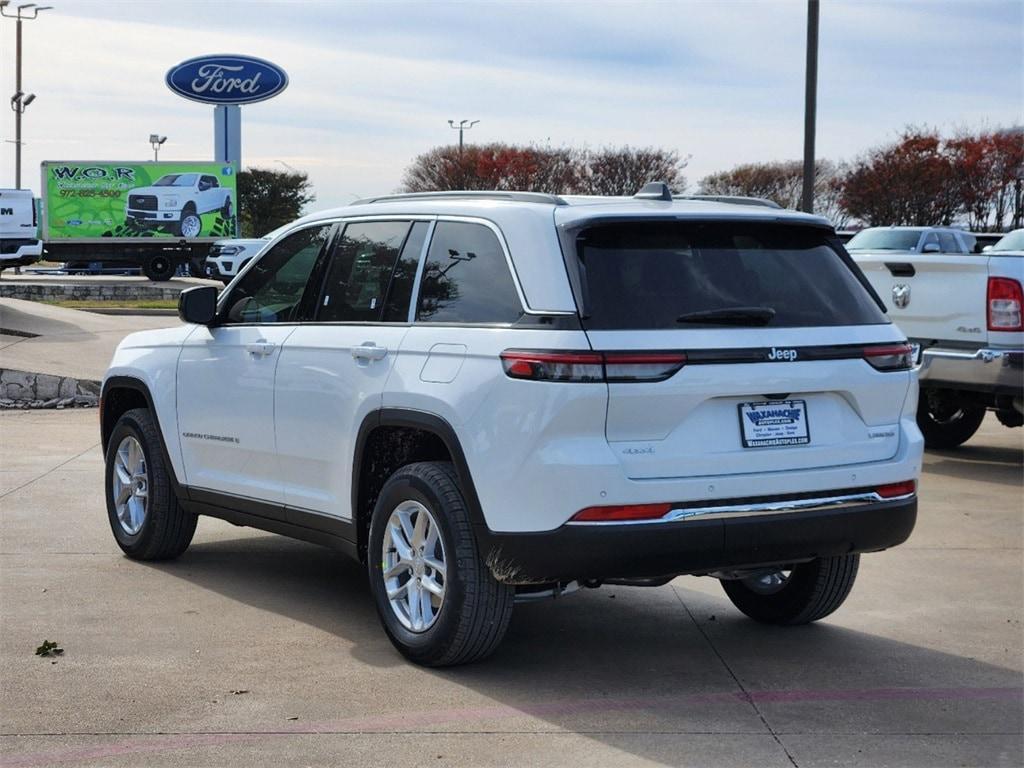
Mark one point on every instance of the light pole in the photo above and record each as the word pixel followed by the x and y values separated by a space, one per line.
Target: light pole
pixel 1018 199
pixel 20 100
pixel 464 125
pixel 810 105
pixel 156 141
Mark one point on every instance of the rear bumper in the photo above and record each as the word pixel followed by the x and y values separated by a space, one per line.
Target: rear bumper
pixel 20 250
pixel 999 371
pixel 696 544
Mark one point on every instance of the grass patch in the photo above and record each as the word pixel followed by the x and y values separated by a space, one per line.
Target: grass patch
pixel 114 304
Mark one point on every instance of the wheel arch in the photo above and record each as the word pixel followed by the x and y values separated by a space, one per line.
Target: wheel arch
pixel 390 438
pixel 121 394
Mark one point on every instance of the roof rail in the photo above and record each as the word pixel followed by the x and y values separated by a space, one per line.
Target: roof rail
pixel 519 197
pixel 735 200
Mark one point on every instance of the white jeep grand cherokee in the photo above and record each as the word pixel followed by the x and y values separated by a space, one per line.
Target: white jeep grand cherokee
pixel 492 396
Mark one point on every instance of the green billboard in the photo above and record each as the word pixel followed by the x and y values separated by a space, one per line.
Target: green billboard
pixel 87 201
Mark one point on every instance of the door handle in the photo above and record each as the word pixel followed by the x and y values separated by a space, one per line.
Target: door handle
pixel 260 348
pixel 369 351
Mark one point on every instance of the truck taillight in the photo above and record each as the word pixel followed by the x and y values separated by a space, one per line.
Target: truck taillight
pixel 1005 301
pixel 890 357
pixel 553 365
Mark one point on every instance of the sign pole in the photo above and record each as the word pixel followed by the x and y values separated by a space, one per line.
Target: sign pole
pixel 227 138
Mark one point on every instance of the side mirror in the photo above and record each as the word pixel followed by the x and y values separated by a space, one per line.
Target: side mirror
pixel 930 248
pixel 198 305
pixel 986 249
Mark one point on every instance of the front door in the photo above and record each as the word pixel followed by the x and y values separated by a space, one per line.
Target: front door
pixel 225 381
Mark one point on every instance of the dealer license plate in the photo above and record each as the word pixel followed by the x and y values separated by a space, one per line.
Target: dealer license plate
pixel 774 423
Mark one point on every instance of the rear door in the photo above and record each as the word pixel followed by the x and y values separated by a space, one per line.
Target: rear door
pixel 772 325
pixel 333 370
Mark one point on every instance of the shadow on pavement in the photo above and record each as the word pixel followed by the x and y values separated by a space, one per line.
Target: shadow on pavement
pixel 621 659
pixel 984 463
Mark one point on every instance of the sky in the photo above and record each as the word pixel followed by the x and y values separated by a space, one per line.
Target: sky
pixel 372 85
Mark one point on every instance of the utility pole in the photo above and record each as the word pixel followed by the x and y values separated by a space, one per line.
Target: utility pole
pixel 20 100
pixel 810 105
pixel 464 125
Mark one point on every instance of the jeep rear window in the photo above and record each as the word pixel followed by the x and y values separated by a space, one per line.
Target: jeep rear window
pixel 660 275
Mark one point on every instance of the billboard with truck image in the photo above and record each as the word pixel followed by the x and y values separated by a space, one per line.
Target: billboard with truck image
pixel 138 201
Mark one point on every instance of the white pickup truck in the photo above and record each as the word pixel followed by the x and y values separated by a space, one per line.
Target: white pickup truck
pixel 177 201
pixel 964 311
pixel 19 239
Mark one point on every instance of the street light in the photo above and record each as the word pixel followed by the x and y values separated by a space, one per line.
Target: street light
pixel 156 141
pixel 464 125
pixel 24 12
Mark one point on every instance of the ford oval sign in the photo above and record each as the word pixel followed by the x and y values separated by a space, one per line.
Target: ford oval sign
pixel 227 79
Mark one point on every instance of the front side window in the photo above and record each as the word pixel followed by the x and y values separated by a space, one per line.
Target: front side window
pixel 948 243
pixel 466 278
pixel 272 289
pixel 362 271
pixel 661 275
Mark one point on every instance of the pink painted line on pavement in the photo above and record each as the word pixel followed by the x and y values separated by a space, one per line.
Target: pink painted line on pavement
pixel 407 720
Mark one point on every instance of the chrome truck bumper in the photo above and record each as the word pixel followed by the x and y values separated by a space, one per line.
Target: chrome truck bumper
pixel 999 371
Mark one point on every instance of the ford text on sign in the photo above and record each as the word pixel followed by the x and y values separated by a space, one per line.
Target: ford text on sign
pixel 227 79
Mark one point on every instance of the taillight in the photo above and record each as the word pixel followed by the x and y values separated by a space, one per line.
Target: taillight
pixel 543 365
pixel 890 357
pixel 622 513
pixel 1005 300
pixel 553 366
pixel 892 490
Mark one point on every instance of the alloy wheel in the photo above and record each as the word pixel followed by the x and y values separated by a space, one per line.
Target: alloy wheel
pixel 130 485
pixel 414 566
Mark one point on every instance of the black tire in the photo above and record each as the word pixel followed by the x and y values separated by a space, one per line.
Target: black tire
pixel 944 423
pixel 158 268
pixel 225 211
pixel 476 610
pixel 812 591
pixel 167 528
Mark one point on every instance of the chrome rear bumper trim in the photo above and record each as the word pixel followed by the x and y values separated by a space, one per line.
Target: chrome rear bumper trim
pixel 761 508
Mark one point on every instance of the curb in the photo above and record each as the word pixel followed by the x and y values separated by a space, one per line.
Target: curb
pixel 25 390
pixel 129 311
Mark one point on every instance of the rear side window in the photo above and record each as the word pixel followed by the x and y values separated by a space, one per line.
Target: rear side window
pixel 361 271
pixel 466 278
pixel 660 275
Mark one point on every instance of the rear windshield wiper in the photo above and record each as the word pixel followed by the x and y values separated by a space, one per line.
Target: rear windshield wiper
pixel 730 316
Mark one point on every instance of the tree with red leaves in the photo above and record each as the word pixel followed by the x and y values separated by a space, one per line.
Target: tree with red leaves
pixel 610 171
pixel 782 183
pixel 911 182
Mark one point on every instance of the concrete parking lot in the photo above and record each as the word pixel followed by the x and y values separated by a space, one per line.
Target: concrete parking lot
pixel 256 650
